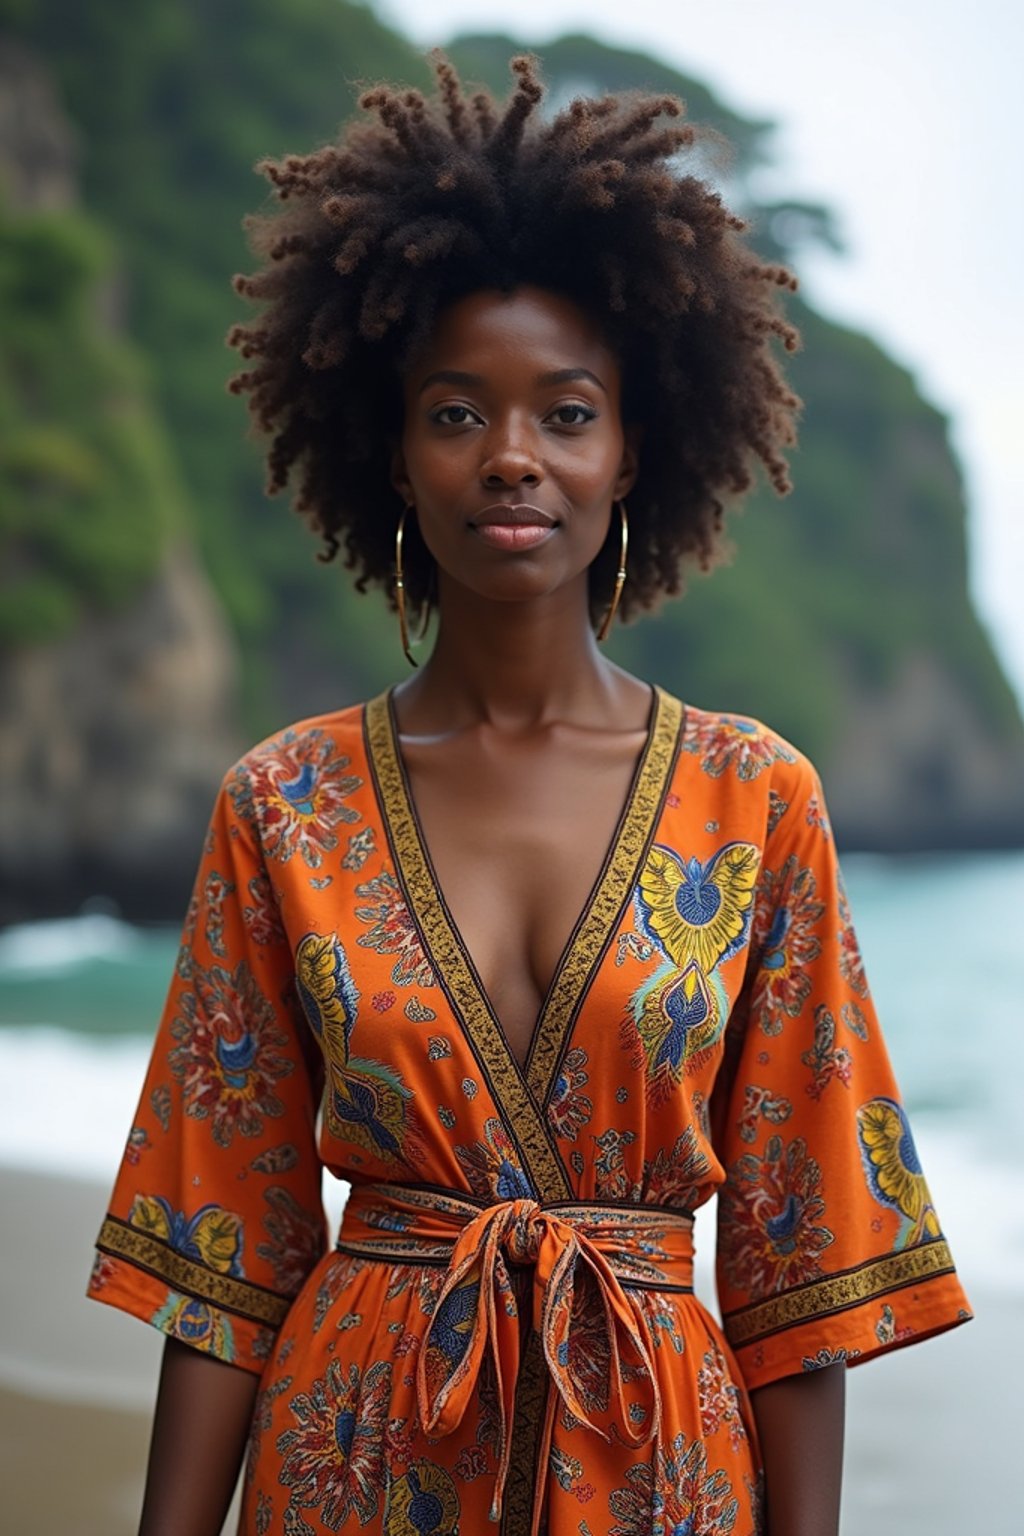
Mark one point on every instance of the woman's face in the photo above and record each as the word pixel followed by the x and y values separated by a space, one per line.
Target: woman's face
pixel 513 449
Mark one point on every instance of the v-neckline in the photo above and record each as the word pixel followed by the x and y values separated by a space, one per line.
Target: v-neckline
pixel 528 1082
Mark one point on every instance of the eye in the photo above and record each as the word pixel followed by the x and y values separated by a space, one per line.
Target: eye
pixel 453 416
pixel 573 414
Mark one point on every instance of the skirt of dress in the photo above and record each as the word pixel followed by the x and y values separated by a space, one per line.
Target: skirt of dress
pixel 337 1442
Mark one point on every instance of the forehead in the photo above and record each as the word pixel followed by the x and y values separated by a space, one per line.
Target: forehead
pixel 490 331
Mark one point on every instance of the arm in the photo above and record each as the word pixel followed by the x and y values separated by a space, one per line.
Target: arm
pixel 203 1412
pixel 829 1247
pixel 216 1218
pixel 800 1421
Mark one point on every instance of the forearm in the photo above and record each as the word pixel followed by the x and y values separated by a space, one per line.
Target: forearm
pixel 800 1423
pixel 200 1427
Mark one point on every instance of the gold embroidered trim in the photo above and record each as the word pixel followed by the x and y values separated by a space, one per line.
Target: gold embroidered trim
pixel 397 1250
pixel 543 1167
pixel 529 1412
pixel 181 1274
pixel 837 1293
pixel 616 880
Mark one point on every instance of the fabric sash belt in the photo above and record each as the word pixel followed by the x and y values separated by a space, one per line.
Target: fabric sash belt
pixel 585 1259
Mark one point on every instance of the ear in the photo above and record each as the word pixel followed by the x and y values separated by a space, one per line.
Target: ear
pixel 629 468
pixel 400 477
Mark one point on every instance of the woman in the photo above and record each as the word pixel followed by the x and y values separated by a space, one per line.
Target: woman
pixel 558 957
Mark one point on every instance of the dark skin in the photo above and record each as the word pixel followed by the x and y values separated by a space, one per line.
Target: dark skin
pixel 203 1412
pixel 520 740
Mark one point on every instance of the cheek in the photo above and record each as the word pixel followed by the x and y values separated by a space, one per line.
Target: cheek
pixel 589 472
pixel 436 467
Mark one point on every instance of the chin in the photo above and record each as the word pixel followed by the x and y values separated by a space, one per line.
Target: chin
pixel 512 585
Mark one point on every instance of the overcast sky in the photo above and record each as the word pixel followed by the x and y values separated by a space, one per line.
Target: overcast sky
pixel 907 118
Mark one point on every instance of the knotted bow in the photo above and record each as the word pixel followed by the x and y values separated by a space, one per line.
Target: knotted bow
pixel 593 1335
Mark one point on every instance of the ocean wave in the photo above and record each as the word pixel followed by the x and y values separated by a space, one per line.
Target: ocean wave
pixel 61 944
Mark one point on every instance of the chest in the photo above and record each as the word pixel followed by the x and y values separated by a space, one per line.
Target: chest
pixel 518 833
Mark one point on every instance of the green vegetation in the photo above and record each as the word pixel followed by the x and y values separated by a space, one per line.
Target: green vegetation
pixel 88 490
pixel 174 105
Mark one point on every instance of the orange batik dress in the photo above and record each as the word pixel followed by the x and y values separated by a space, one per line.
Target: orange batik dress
pixel 505 1329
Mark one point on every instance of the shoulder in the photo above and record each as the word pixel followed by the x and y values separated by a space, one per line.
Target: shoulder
pixel 743 752
pixel 304 771
pixel 726 742
pixel 312 741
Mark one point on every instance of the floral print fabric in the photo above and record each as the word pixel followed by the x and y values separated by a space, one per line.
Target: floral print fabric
pixel 505 1334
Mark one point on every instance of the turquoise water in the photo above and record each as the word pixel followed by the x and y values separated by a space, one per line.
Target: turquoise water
pixel 942 943
pixel 90 974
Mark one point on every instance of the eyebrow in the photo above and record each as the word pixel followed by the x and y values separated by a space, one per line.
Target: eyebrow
pixel 545 380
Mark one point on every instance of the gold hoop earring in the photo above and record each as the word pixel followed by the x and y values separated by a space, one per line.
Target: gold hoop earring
pixel 403 626
pixel 620 576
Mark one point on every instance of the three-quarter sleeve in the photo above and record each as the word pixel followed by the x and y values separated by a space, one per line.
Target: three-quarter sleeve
pixel 829 1246
pixel 216 1216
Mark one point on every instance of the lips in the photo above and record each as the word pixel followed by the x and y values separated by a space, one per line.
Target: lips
pixel 513 526
pixel 518 514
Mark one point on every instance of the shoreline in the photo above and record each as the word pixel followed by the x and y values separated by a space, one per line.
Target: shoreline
pixel 77 1382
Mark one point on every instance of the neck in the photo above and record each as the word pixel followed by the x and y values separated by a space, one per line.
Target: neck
pixel 512 665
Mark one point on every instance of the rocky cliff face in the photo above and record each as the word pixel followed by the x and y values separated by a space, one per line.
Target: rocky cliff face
pixel 918 767
pixel 37 142
pixel 111 746
pixel 114 735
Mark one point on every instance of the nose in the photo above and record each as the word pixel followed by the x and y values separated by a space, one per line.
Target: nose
pixel 511 456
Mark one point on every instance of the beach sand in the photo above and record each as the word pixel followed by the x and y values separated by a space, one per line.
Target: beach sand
pixel 932 1430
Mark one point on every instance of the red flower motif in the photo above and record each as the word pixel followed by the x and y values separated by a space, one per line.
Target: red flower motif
pixel 719 1399
pixel 631 1506
pixel 570 1109
pixel 262 918
pixel 777 808
pixel 471 1462
pixel 492 1166
pixel 138 1142
pixel 334 1459
pixel 228 1059
pixel 400 1443
pixel 786 912
pixel 761 1103
pixel 677 1495
pixel 392 930
pixel 297 1239
pixel 733 741
pixel 103 1269
pixel 687 1497
pixel 382 1001
pixel 294 789
pixel 675 1175
pixel 851 962
pixel 816 816
pixel 769 1239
